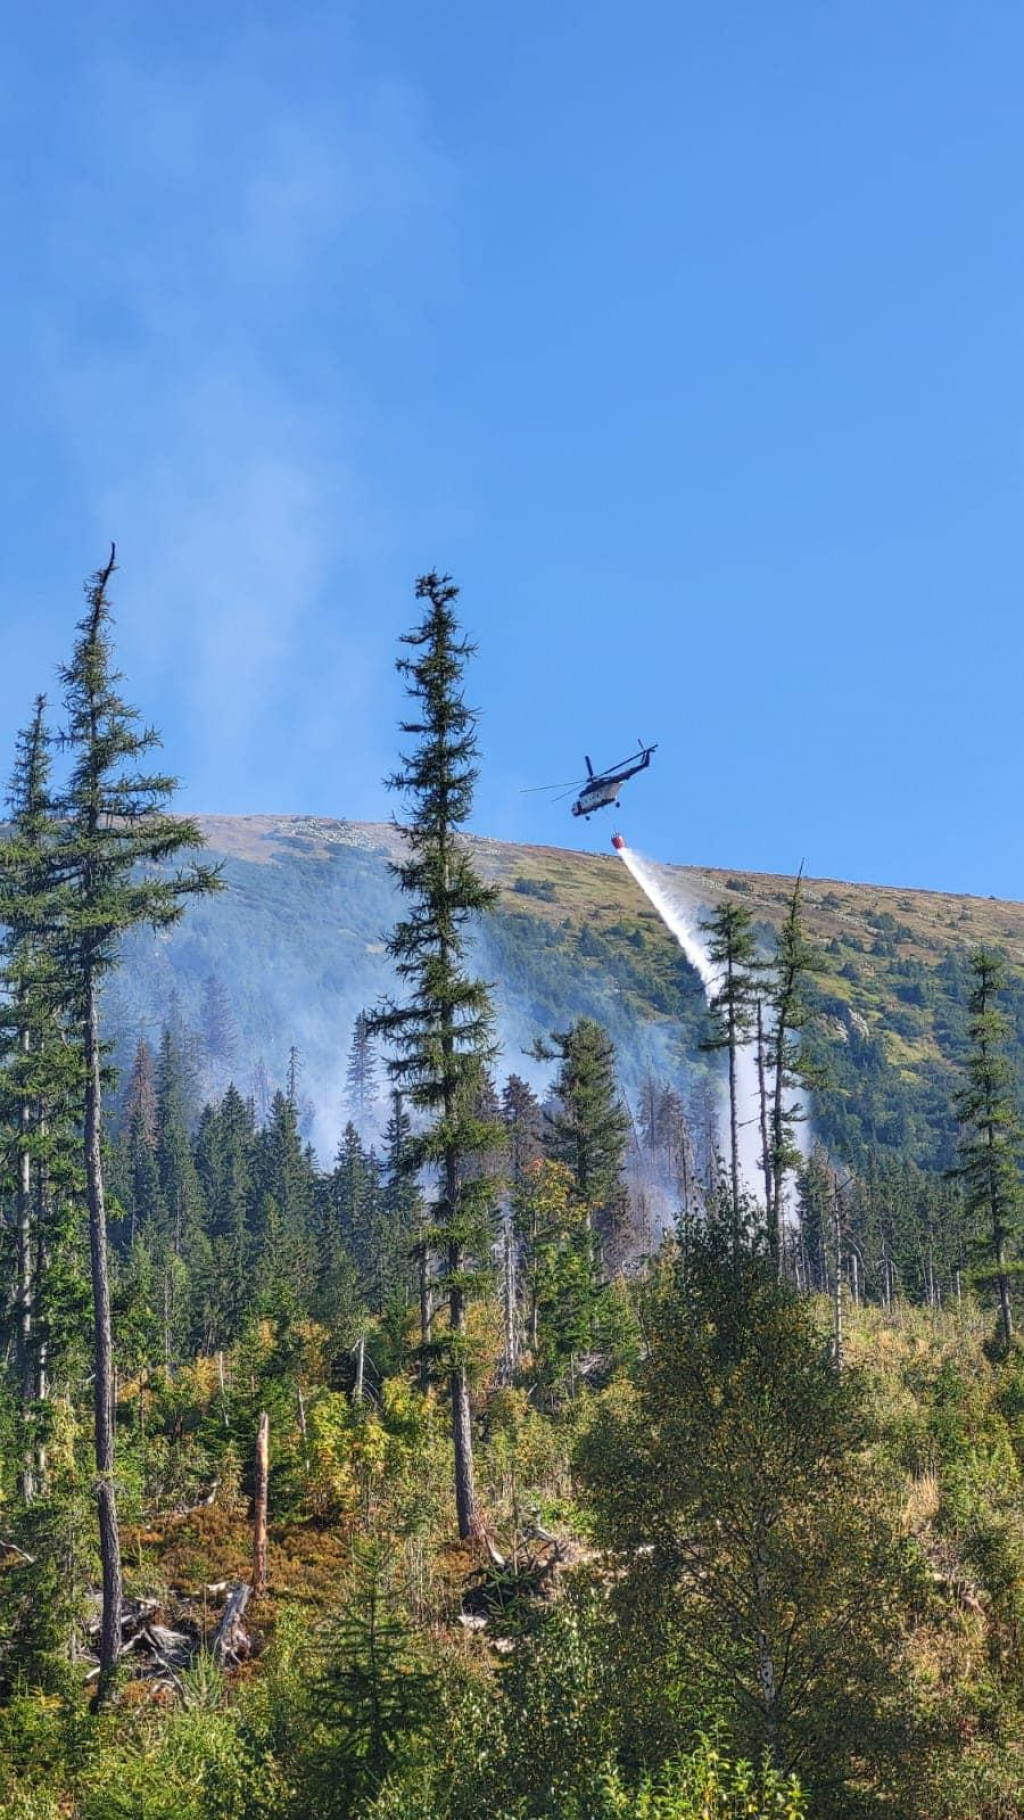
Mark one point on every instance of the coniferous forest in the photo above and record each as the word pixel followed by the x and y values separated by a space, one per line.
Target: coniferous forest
pixel 525 1455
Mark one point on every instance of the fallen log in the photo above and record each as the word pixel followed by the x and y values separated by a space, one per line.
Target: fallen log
pixel 11 1548
pixel 231 1639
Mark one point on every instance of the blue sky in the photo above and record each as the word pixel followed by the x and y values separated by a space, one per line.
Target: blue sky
pixel 688 338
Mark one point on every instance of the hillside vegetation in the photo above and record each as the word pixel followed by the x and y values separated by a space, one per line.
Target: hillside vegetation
pixel 297 944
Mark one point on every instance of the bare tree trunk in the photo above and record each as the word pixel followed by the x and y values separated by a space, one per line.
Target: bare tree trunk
pixel 357 1390
pixel 259 1529
pixel 23 1220
pixel 509 1296
pixel 684 1175
pixel 784 1011
pixel 224 1396
pixel 229 1640
pixel 734 1139
pixel 167 1319
pixel 41 1361
pixel 999 1246
pixel 1005 1305
pixel 462 1422
pixel 462 1426
pixel 426 1313
pixel 766 1154
pixel 837 1287
pixel 106 1500
pixel 301 1401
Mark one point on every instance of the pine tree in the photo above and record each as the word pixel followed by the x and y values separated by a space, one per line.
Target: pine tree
pixel 401 1204
pixel 179 1187
pixel 115 834
pixel 140 1132
pixel 361 1073
pixel 139 1111
pixel 815 1185
pixel 219 1033
pixel 261 1092
pixel 40 1079
pixel 284 1186
pixel 406 1231
pixel 371 1694
pixel 182 1236
pixel 523 1118
pixel 704 1123
pixel 990 1143
pixel 733 951
pixel 441 1034
pixel 24 879
pixel 224 1163
pixel 353 1202
pixel 588 1126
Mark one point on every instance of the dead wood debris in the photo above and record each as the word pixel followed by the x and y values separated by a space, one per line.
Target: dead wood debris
pixel 162 1638
pixel 510 1584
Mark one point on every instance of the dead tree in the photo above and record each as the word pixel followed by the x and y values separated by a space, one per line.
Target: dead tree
pixel 259 1547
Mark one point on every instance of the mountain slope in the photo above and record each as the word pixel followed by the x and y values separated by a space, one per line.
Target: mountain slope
pixel 296 943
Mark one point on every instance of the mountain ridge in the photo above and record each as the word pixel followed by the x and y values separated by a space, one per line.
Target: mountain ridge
pixel 225 832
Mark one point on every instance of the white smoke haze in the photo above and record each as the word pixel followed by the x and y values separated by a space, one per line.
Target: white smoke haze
pixel 254 535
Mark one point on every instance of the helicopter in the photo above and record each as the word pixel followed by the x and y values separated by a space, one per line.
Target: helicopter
pixel 601 788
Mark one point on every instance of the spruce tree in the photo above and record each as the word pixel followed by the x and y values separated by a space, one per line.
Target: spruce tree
pixel 40 1075
pixel 990 1142
pixel 401 1202
pixel 175 1096
pixel 219 1033
pixel 352 1199
pixel 588 1126
pixel 406 1230
pixel 733 951
pixel 371 1693
pixel 24 879
pixel 140 1129
pixel 115 843
pixel 224 1156
pixel 523 1119
pixel 441 1033
pixel 361 1073
pixel 284 1184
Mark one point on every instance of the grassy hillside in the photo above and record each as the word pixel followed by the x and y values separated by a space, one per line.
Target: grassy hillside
pixel 297 942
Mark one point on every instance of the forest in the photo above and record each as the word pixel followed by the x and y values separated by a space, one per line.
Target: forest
pixel 526 1457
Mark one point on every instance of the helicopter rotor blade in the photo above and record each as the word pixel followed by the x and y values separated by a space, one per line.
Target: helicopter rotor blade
pixel 571 784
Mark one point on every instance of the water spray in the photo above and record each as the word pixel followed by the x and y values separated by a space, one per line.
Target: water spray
pixel 682 922
pixel 686 931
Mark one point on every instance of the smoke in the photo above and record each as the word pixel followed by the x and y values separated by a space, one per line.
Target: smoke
pixel 682 917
